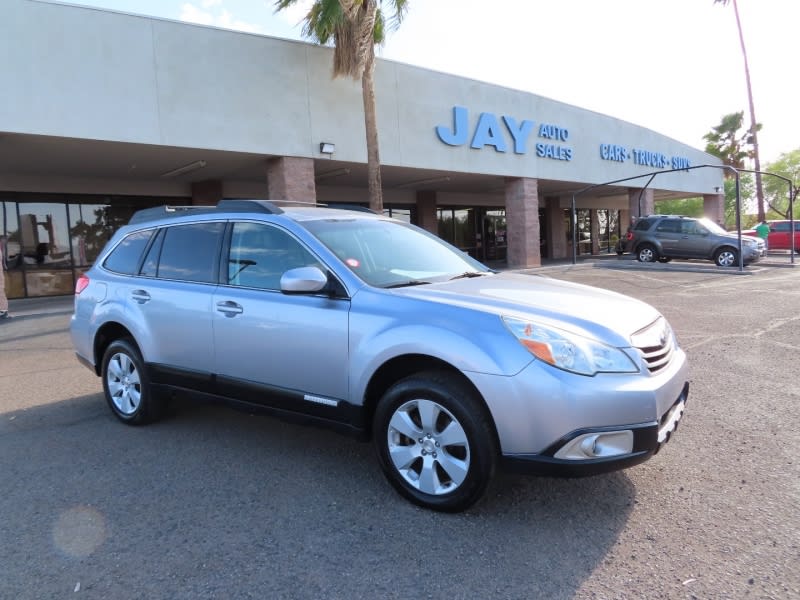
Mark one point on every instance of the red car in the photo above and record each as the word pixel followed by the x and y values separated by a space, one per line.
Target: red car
pixel 779 235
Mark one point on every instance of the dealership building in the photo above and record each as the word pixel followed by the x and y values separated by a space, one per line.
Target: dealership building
pixel 103 113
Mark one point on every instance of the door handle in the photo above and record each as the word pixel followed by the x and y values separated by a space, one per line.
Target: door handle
pixel 230 308
pixel 141 296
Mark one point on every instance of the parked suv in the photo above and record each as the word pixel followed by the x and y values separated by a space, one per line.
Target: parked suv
pixel 664 237
pixel 380 329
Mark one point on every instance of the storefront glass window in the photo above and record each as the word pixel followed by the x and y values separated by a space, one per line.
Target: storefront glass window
pixel 51 241
pixel 9 227
pixel 495 235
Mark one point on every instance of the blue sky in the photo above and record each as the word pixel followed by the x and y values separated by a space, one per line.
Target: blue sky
pixel 674 67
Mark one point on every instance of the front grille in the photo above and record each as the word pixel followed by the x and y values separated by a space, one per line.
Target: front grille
pixel 657 357
pixel 656 344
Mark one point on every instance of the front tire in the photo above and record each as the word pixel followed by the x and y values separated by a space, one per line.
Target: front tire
pixel 435 441
pixel 726 257
pixel 127 386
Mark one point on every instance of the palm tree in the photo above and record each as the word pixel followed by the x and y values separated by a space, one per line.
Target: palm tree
pixel 753 123
pixel 729 143
pixel 354 27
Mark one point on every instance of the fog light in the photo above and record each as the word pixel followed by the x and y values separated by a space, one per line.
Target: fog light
pixel 597 445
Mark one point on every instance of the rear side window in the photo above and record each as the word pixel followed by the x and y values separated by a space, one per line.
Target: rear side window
pixel 150 265
pixel 126 256
pixel 644 224
pixel 780 227
pixel 189 252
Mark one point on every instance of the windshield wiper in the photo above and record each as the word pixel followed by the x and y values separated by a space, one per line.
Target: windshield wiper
pixel 469 274
pixel 408 283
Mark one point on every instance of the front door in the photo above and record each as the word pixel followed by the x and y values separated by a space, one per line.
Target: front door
pixel 290 351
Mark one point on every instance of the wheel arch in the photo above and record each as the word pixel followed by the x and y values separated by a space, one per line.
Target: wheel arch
pixel 107 334
pixel 644 243
pixel 400 367
pixel 722 248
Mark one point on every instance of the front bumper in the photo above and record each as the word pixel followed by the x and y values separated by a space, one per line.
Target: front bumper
pixel 647 440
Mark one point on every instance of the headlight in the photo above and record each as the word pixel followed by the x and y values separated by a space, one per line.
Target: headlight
pixel 569 351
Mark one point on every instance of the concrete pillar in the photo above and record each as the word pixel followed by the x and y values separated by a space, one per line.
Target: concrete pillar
pixel 714 208
pixel 522 220
pixel 624 221
pixel 427 217
pixel 291 178
pixel 557 246
pixel 641 203
pixel 206 193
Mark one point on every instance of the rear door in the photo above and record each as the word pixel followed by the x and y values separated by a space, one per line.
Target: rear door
pixel 289 351
pixel 171 299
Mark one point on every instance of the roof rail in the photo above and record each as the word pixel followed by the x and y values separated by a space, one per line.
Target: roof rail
pixel 160 212
pixel 262 206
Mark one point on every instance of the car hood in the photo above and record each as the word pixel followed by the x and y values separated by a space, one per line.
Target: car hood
pixel 585 310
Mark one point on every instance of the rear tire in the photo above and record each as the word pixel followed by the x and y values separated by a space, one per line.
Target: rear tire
pixel 127 386
pixel 647 253
pixel 435 441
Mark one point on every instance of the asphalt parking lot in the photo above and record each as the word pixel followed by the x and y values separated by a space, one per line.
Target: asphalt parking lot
pixel 216 503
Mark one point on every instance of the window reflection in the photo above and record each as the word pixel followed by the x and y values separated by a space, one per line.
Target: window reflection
pixel 52 240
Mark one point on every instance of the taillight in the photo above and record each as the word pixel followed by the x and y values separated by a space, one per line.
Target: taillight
pixel 629 236
pixel 81 284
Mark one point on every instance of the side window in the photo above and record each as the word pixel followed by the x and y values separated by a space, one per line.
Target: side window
pixel 643 224
pixel 189 252
pixel 780 227
pixel 127 254
pixel 260 254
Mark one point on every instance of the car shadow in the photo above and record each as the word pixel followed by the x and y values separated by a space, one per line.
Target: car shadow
pixel 215 502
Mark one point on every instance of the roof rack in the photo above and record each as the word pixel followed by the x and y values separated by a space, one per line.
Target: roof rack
pixel 263 206
pixel 167 210
pixel 160 212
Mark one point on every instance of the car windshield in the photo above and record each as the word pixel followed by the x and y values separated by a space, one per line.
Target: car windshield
pixel 386 253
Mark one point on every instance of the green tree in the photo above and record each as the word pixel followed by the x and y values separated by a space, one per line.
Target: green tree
pixel 354 27
pixel 747 193
pixel 691 207
pixel 694 207
pixel 754 127
pixel 776 190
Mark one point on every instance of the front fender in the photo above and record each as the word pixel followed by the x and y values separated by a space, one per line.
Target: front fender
pixel 482 345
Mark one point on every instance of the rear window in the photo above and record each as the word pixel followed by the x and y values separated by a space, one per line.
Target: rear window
pixel 127 255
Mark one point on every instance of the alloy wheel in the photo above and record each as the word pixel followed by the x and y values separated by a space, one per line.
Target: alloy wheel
pixel 428 447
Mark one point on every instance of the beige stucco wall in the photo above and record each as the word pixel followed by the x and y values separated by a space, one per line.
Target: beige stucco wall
pixel 86 73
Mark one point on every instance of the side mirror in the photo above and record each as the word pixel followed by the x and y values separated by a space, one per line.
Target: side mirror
pixel 303 280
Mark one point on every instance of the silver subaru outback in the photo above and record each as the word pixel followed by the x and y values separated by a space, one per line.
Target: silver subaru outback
pixel 380 329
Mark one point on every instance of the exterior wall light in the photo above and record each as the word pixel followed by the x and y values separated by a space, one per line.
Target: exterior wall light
pixel 327 147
